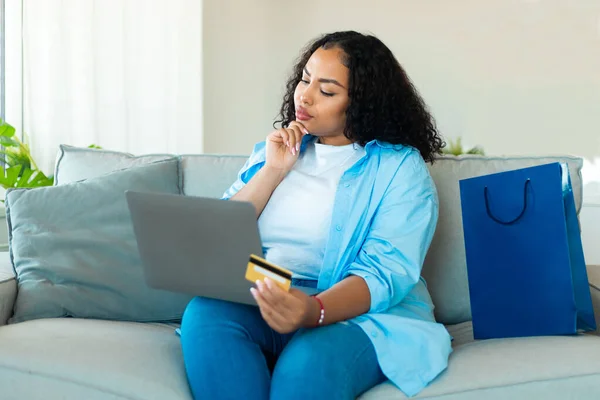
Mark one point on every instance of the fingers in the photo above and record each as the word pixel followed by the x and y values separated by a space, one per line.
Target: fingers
pixel 301 126
pixel 291 137
pixel 295 139
pixel 292 143
pixel 296 131
pixel 276 297
pixel 268 312
pixel 285 136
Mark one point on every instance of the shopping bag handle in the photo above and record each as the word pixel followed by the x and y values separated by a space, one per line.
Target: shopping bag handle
pixel 487 205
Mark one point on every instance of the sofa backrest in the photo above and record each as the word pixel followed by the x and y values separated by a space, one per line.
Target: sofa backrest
pixel 445 266
pixel 209 175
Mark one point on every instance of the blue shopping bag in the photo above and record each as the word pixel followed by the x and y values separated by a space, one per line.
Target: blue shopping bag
pixel 525 262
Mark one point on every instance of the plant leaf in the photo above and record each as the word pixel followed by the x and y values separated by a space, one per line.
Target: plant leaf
pixel 476 150
pixel 8 142
pixel 7 130
pixel 12 173
pixel 456 148
pixel 18 177
pixel 15 157
pixel 23 180
pixel 10 177
pixel 40 180
pixel 9 157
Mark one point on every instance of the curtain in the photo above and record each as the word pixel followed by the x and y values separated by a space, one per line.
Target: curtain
pixel 122 74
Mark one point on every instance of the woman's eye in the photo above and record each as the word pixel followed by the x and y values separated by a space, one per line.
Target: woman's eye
pixel 327 94
pixel 304 81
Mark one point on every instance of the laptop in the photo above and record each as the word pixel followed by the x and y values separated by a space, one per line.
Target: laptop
pixel 196 245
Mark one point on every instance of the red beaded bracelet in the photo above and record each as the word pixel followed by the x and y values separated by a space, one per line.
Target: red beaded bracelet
pixel 322 315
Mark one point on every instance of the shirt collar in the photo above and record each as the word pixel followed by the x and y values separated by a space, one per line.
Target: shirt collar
pixel 368 147
pixel 382 144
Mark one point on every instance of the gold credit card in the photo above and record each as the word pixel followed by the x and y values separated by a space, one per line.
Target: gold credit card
pixel 259 269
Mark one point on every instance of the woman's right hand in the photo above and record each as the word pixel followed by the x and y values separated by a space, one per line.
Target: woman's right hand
pixel 283 147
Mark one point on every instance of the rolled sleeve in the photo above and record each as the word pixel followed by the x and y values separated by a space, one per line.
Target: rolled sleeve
pixel 236 186
pixel 392 255
pixel 252 165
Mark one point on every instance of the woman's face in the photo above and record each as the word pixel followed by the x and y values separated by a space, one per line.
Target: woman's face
pixel 321 97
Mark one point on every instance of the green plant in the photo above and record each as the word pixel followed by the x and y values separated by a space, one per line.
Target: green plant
pixel 19 168
pixel 456 148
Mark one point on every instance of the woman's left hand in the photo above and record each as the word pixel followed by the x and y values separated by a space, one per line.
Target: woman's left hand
pixel 285 312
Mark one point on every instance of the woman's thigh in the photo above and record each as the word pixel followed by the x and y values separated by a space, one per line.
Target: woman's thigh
pixel 224 346
pixel 333 362
pixel 220 321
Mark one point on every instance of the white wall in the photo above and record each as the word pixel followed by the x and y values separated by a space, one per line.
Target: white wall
pixel 515 76
pixel 248 49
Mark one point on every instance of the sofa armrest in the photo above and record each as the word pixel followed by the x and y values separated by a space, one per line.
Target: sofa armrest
pixel 593 272
pixel 8 287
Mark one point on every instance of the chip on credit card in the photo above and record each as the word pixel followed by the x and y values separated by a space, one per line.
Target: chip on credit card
pixel 259 269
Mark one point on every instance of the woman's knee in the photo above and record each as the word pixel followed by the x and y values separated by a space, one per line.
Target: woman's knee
pixel 202 306
pixel 204 315
pixel 304 370
pixel 204 309
pixel 198 310
pixel 333 362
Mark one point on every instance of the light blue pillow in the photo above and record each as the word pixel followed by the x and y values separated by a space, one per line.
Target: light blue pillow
pixel 74 164
pixel 74 250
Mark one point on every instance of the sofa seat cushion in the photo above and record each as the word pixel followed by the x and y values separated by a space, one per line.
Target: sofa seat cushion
pixel 91 359
pixel 554 367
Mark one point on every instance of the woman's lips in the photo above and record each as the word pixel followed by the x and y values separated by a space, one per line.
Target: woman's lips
pixel 302 115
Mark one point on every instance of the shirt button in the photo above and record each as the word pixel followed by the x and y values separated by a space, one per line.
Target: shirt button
pixel 338 228
pixel 374 334
pixel 347 185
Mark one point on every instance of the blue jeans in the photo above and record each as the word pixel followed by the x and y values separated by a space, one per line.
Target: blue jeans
pixel 231 353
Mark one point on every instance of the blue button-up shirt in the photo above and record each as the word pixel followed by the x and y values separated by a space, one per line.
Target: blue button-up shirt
pixel 384 216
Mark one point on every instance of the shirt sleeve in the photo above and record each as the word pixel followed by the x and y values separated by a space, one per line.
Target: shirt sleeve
pixel 392 255
pixel 252 165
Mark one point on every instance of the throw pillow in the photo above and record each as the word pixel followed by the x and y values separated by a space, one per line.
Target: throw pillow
pixel 74 250
pixel 77 163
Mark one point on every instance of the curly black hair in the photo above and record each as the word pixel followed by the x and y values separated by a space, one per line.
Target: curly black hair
pixel 383 102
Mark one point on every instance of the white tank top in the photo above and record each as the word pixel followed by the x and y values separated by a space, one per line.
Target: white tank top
pixel 294 226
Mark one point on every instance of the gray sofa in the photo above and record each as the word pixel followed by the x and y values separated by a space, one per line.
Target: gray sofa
pixel 71 358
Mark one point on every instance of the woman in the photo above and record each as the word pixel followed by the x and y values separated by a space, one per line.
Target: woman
pixel 344 200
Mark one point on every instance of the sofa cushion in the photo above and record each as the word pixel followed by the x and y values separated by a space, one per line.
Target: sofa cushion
pixel 77 163
pixel 8 288
pixel 552 367
pixel 445 268
pixel 76 358
pixel 75 253
pixel 71 358
pixel 209 175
